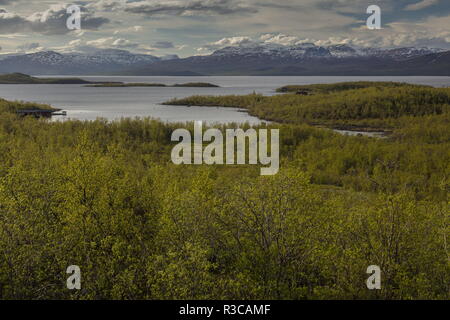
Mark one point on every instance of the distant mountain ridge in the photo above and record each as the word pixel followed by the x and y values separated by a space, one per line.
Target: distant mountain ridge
pixel 108 61
pixel 256 59
pixel 308 60
pixel 309 50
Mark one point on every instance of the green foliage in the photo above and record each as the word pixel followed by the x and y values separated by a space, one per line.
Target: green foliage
pixel 105 196
pixel 374 106
pixel 342 86
pixel 7 107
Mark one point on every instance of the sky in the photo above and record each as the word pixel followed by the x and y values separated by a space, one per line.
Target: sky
pixel 199 27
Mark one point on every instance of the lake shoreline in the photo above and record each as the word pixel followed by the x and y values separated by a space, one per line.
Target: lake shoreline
pixel 352 130
pixel 91 103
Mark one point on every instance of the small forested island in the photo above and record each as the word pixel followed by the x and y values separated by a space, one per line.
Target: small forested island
pixel 187 85
pixel 196 85
pixel 20 78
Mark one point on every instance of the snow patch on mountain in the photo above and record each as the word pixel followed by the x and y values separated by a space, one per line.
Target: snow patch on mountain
pixel 100 57
pixel 309 50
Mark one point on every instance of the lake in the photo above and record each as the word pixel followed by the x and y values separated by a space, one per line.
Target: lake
pixel 89 103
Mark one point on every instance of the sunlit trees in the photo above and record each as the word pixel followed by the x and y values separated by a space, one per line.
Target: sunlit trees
pixel 105 196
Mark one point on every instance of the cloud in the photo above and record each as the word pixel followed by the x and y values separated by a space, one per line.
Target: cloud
pixel 75 43
pixel 132 29
pixel 11 22
pixel 163 45
pixel 137 25
pixel 107 5
pixel 124 44
pixel 226 42
pixel 354 6
pixel 49 22
pixel 53 20
pixel 92 46
pixel 395 35
pixel 269 38
pixel 109 42
pixel 188 7
pixel 281 39
pixel 421 5
pixel 27 47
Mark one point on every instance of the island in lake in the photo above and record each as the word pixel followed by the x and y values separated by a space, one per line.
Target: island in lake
pixel 185 85
pixel 20 78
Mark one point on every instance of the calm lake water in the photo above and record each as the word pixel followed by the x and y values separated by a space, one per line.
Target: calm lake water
pixel 86 103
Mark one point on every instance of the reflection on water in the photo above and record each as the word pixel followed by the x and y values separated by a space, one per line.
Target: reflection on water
pixel 209 115
pixel 379 134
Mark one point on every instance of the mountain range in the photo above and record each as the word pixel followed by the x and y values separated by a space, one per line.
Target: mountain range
pixel 255 59
pixel 107 61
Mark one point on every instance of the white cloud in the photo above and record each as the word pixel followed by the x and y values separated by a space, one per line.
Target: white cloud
pixel 90 46
pixel 107 5
pixel 281 39
pixel 75 43
pixel 199 23
pixel 133 29
pixel 101 42
pixel 421 5
pixel 50 22
pixel 124 44
pixel 188 7
pixel 226 42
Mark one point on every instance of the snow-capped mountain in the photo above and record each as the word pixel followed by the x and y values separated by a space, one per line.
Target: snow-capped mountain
pixel 274 51
pixel 99 62
pixel 402 53
pixel 311 51
pixel 250 59
pixel 304 59
pixel 111 56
